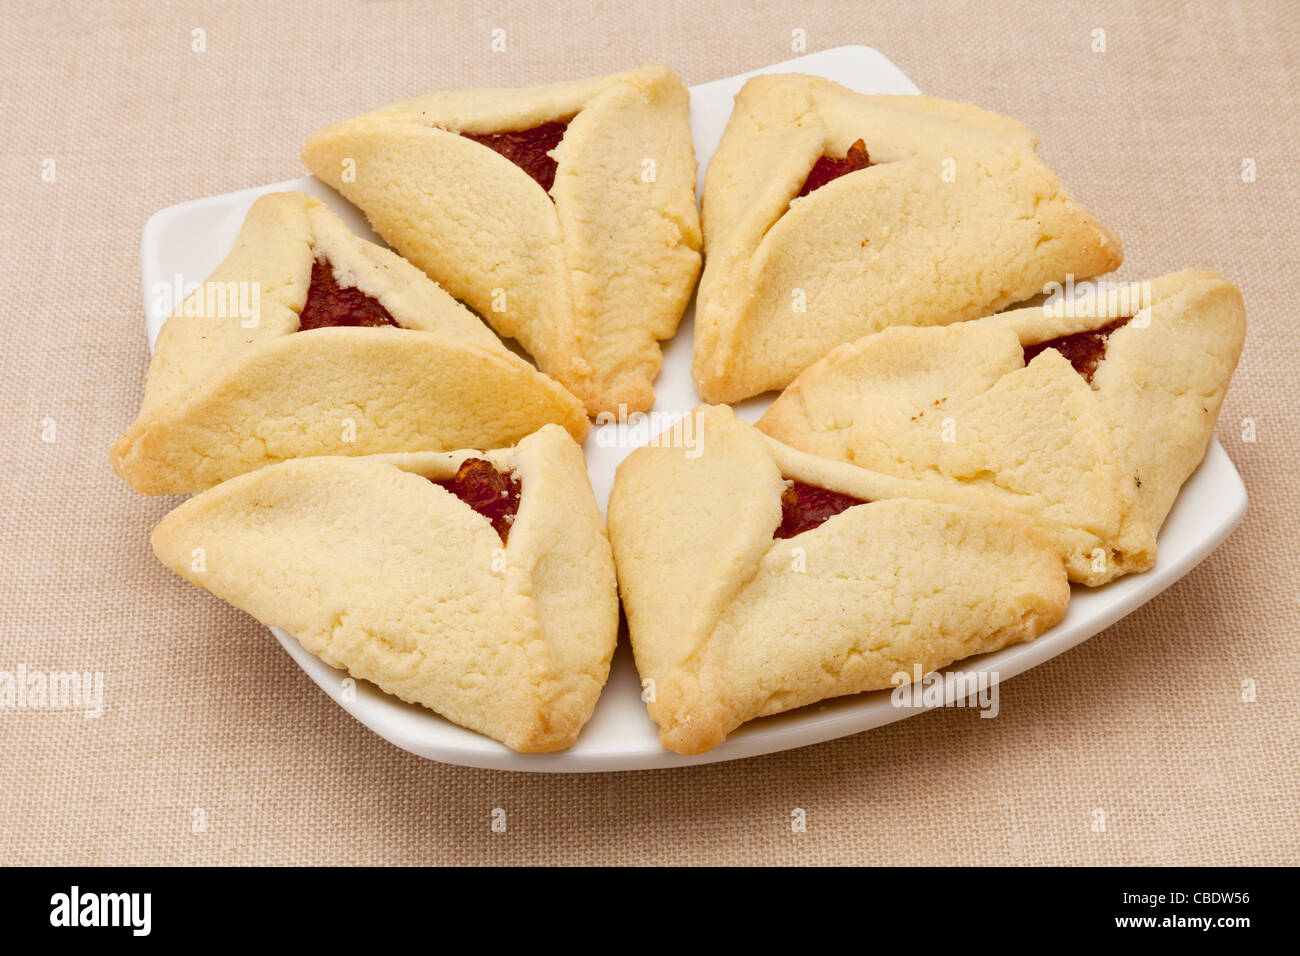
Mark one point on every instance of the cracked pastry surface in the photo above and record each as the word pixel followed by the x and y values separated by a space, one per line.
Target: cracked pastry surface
pixel 953 218
pixel 1087 423
pixel 731 622
pixel 389 362
pixel 378 569
pixel 586 252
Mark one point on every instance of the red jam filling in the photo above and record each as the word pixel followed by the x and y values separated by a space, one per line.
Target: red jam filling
pixel 527 149
pixel 493 494
pixel 1083 350
pixel 329 306
pixel 828 168
pixel 804 507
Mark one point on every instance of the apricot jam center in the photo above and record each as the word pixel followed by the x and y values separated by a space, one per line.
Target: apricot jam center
pixel 828 168
pixel 329 306
pixel 527 149
pixel 493 494
pixel 1083 350
pixel 804 507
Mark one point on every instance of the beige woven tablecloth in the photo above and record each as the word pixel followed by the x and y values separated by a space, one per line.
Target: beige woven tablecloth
pixel 214 748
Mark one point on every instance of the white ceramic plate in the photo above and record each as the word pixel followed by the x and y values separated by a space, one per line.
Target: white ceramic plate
pixel 190 239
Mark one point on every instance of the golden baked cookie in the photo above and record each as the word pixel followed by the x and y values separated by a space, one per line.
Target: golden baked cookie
pixel 1086 419
pixel 757 578
pixel 830 214
pixel 563 214
pixel 349 350
pixel 477 584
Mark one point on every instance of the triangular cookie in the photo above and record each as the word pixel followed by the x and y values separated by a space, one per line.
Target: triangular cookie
pixel 757 578
pixel 477 584
pixel 563 214
pixel 1092 437
pixel 352 351
pixel 809 247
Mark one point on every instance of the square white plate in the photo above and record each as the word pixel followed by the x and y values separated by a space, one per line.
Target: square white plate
pixel 190 239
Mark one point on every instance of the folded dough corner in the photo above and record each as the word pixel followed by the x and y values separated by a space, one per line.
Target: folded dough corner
pixel 373 565
pixel 952 218
pixel 563 214
pixel 352 351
